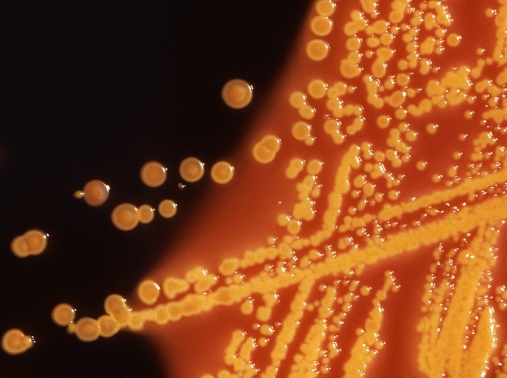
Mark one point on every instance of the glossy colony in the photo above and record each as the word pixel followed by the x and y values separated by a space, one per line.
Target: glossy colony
pixel 14 341
pixel 191 169
pixel 95 193
pixel 389 173
pixel 153 174
pixel 31 243
pixel 222 172
pixel 237 93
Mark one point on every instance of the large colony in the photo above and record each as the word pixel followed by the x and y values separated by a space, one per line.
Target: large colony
pixel 14 341
pixel 95 193
pixel 31 243
pixel 397 148
pixel 237 93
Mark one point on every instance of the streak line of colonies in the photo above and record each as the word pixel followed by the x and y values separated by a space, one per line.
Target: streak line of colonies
pixel 351 145
pixel 490 212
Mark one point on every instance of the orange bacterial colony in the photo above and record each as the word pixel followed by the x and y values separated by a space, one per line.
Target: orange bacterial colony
pixel 31 243
pixel 191 169
pixel 153 174
pixel 237 93
pixel 359 232
pixel 14 341
pixel 95 193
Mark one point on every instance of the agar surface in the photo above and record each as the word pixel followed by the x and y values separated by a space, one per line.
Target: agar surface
pixel 361 137
pixel 393 148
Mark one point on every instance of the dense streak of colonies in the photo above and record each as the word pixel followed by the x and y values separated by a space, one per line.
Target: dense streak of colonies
pixel 398 149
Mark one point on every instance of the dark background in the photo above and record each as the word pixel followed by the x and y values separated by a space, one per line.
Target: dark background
pixel 94 90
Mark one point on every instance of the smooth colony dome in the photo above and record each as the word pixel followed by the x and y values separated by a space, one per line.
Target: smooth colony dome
pixel 124 217
pixel 222 172
pixel 95 193
pixel 167 208
pixel 153 174
pixel 148 292
pixel 237 93
pixel 191 169
pixel 145 213
pixel 14 341
pixel 31 243
pixel 87 329
pixel 63 314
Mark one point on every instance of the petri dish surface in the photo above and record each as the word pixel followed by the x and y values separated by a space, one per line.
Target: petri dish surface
pixel 361 234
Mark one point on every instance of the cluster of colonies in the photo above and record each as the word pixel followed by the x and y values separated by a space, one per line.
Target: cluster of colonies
pixel 394 81
pixel 374 179
pixel 236 94
pixel 31 243
pixel 361 201
pixel 127 216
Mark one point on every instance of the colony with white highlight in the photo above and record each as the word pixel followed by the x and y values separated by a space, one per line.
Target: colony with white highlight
pixel 31 243
pixel 153 174
pixel 14 341
pixel 237 93
pixel 95 193
pixel 222 172
pixel 191 169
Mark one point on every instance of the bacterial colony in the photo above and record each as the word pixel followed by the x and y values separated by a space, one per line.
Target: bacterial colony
pixel 396 146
